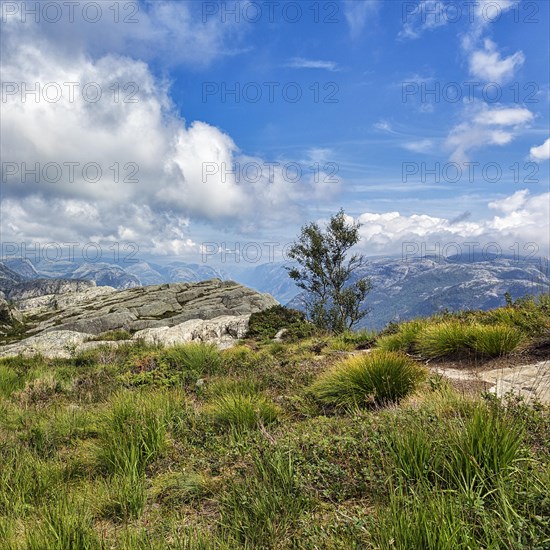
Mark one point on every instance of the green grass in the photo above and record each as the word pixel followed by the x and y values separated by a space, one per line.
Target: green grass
pixel 496 340
pixel 262 507
pixel 443 339
pixel 404 339
pixel 288 445
pixel 243 411
pixel 379 377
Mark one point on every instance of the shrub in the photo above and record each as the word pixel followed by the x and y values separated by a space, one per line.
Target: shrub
pixel 446 338
pixel 495 340
pixel 243 411
pixel 377 377
pixel 265 324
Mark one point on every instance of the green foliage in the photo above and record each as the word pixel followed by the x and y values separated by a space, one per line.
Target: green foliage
pixel 251 459
pixel 113 336
pixel 348 340
pixel 134 432
pixel 265 324
pixel 377 377
pixel 197 359
pixel 10 380
pixel 334 299
pixel 172 366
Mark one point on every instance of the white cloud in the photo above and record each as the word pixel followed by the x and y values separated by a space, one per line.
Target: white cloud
pixel 540 153
pixel 426 15
pixel 484 125
pixel 357 14
pixel 488 64
pixel 383 125
pixel 170 33
pixel 171 185
pixel 301 63
pixel 421 146
pixel 522 218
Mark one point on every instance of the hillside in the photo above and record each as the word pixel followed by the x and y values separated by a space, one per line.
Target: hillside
pixel 358 441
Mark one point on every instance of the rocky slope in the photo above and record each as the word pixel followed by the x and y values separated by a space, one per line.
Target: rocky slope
pixel 211 310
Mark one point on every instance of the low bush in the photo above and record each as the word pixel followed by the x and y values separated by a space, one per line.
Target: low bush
pixel 378 377
pixel 265 324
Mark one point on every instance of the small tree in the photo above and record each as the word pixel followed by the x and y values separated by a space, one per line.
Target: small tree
pixel 332 300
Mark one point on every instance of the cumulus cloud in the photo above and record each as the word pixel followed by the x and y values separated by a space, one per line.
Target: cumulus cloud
pixel 540 153
pixel 167 32
pixel 520 218
pixel 485 125
pixel 159 174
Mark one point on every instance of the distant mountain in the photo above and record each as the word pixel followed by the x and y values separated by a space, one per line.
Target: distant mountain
pixel 125 276
pixel 420 287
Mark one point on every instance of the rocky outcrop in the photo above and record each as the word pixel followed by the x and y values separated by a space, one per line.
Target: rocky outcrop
pixel 223 331
pixel 62 343
pixel 153 307
pixel 210 311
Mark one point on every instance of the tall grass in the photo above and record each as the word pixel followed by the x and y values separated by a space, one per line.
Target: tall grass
pixel 483 451
pixel 404 339
pixel 446 338
pixel 25 480
pixel 496 340
pixel 133 431
pixel 10 380
pixel 195 358
pixel 377 377
pixel 262 508
pixel 65 524
pixel 243 411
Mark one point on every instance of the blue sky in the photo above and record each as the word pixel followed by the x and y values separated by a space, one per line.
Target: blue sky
pixel 373 59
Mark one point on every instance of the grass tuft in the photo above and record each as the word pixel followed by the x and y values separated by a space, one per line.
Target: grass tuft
pixel 378 377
